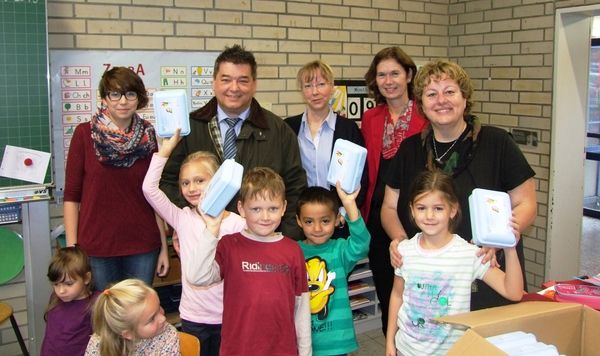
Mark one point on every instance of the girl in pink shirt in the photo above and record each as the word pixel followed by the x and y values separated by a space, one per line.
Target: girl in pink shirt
pixel 201 307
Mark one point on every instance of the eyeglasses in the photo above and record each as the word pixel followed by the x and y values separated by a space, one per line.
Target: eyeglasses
pixel 117 95
pixel 318 86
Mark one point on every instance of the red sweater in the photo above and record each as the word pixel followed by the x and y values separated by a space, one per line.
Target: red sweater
pixel 372 125
pixel 114 217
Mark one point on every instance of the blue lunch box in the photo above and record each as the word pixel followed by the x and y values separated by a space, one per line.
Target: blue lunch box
pixel 171 112
pixel 490 213
pixel 346 165
pixel 223 186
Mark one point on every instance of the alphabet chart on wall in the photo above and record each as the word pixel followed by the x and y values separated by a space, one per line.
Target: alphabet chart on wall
pixel 75 75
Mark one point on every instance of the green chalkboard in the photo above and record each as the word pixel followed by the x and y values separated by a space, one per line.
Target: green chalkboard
pixel 24 104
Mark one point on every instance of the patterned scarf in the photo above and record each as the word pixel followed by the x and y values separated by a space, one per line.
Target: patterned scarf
pixel 463 153
pixel 394 134
pixel 121 148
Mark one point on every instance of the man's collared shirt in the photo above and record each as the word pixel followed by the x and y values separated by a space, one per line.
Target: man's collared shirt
pixel 221 116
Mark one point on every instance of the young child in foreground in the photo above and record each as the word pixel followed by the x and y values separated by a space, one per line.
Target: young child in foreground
pixel 128 320
pixel 69 313
pixel 200 308
pixel 265 295
pixel 437 271
pixel 328 263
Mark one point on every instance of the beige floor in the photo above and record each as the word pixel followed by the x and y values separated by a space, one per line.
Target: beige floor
pixel 370 343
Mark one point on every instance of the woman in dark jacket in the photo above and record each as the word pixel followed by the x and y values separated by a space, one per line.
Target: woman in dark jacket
pixel 319 127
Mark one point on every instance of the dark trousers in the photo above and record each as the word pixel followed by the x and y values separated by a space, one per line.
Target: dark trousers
pixel 208 334
pixel 383 276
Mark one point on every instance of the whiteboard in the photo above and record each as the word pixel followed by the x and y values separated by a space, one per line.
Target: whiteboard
pixel 75 75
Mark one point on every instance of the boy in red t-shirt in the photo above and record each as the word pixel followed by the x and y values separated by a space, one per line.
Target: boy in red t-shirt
pixel 265 289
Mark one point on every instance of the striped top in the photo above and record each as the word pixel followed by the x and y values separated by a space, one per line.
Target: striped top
pixel 436 283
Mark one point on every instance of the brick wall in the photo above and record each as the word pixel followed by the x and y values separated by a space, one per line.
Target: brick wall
pixel 508 47
pixel 505 45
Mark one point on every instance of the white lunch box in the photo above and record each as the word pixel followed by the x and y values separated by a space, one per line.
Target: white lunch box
pixel 171 112
pixel 222 187
pixel 346 165
pixel 490 212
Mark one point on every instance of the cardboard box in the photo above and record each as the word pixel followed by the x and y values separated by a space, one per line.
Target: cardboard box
pixel 573 328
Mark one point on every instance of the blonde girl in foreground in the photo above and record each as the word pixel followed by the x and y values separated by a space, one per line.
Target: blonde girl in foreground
pixel 128 320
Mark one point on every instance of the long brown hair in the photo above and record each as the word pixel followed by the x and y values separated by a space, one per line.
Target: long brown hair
pixel 436 181
pixel 69 262
pixel 397 54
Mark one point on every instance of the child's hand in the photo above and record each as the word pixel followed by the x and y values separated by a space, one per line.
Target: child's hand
pixel 349 202
pixel 345 197
pixel 168 144
pixel 390 349
pixel 213 224
pixel 489 254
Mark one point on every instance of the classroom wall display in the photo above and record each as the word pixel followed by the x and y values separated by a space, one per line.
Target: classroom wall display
pixel 75 75
pixel 24 109
pixel 351 99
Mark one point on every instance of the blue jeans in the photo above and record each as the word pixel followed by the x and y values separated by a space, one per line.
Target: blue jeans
pixel 106 270
pixel 208 334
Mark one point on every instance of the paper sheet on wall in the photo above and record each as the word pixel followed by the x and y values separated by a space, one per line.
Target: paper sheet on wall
pixel 25 164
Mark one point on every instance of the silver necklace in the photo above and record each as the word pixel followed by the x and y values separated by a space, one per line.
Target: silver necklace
pixel 439 159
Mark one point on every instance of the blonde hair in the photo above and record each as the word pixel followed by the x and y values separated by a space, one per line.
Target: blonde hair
pixel 443 69
pixel 69 262
pixel 117 310
pixel 208 159
pixel 263 182
pixel 309 71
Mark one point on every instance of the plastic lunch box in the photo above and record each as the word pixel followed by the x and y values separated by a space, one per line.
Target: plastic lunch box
pixel 222 187
pixel 346 165
pixel 490 212
pixel 171 112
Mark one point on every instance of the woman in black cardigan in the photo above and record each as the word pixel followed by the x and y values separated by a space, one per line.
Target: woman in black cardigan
pixel 319 127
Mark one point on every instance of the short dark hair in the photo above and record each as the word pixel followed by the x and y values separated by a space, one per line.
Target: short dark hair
pixel 123 79
pixel 436 181
pixel 236 54
pixel 318 195
pixel 397 54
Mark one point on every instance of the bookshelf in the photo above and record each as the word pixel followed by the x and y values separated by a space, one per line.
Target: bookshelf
pixel 363 298
pixel 169 287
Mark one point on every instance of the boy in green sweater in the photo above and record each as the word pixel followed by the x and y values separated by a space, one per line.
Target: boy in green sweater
pixel 328 263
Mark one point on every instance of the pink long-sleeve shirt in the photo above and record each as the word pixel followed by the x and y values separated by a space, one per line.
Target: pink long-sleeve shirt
pixel 199 304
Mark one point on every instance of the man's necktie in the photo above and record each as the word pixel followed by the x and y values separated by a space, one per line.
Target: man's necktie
pixel 229 148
